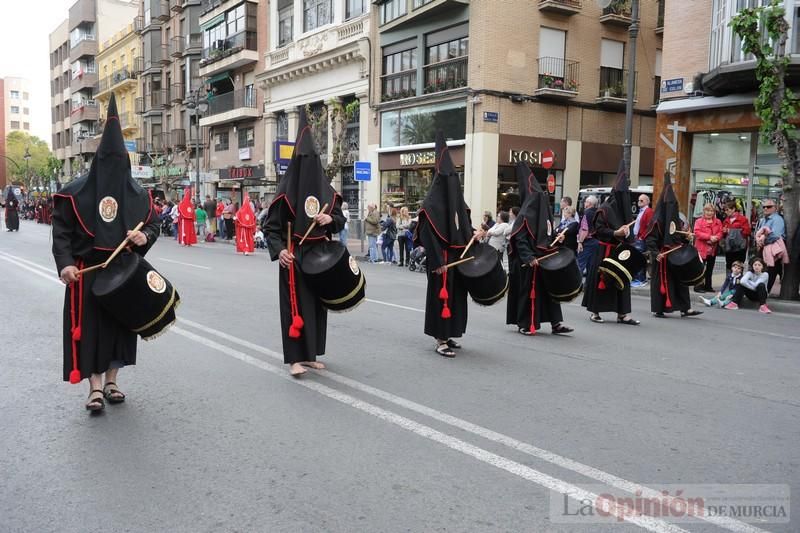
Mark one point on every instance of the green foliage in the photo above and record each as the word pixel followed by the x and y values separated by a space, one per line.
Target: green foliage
pixel 39 168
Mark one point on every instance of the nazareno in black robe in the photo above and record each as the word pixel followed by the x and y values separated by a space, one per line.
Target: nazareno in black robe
pixel 91 217
pixel 529 304
pixel 12 211
pixel 444 229
pixel 666 293
pixel 304 179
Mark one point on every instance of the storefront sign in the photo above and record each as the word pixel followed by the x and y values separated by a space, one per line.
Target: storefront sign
pixel 141 172
pixel 270 188
pixel 244 154
pixel 544 159
pixel 490 116
pixel 163 172
pixel 241 173
pixel 130 146
pixel 283 154
pixel 672 86
pixel 418 159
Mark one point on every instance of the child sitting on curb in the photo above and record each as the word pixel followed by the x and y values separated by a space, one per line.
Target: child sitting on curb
pixel 725 295
pixel 754 286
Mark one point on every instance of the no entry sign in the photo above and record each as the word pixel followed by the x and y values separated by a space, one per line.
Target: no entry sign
pixel 548 157
pixel 551 184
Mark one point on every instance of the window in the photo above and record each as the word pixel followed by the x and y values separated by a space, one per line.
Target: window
pixel 15 109
pixel 316 13
pixel 235 20
pixel 26 96
pixel 26 125
pixel 282 126
pixel 417 125
pixel 392 9
pixel 26 110
pixel 221 142
pixel 354 8
pixel 247 137
pixel 15 124
pixel 612 75
pixel 657 79
pixel 399 78
pixel 285 24
pixel 446 61
pixel 15 94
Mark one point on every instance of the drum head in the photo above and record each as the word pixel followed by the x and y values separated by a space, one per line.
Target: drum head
pixel 322 257
pixel 564 257
pixel 685 255
pixel 485 260
pixel 116 274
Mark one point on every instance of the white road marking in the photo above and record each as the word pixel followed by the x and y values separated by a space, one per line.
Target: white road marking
pixel 394 305
pixel 511 442
pixel 50 277
pixel 485 456
pixel 181 263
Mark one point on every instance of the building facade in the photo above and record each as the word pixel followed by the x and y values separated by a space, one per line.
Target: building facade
pixel 318 57
pixel 116 69
pixel 61 98
pixel 710 135
pixel 233 40
pixel 169 144
pixel 505 85
pixel 15 113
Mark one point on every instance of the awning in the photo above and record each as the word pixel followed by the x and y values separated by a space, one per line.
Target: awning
pixel 683 105
pixel 220 76
pixel 213 22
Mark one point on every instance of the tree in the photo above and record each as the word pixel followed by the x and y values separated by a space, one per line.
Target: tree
pixel 764 31
pixel 38 169
pixel 340 150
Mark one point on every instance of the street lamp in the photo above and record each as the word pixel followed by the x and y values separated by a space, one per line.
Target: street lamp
pixel 200 106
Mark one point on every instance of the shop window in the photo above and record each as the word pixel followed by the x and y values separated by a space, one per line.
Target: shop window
pixel 417 125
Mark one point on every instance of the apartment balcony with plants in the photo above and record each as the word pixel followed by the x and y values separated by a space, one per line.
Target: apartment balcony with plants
pixel 558 78
pixel 561 7
pixel 618 13
pixel 229 39
pixel 613 90
pixel 233 106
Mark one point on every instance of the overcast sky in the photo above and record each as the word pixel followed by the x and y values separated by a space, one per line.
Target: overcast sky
pixel 25 26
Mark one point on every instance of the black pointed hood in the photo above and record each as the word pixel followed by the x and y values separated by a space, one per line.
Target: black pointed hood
pixel 444 205
pixel 10 196
pixel 534 215
pixel 617 208
pixel 107 201
pixel 666 216
pixel 305 187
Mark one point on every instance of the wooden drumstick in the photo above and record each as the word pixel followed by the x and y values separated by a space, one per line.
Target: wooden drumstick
pixel 466 249
pixel 455 263
pixel 664 254
pixel 563 231
pixel 313 224
pixel 105 263
pixel 543 257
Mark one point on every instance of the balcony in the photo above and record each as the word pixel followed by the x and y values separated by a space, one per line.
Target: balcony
pixel 660 19
pixel 127 122
pixel 178 138
pixel 193 44
pixel 87 46
pixel 613 86
pixel 157 99
pixel 86 111
pixel 617 14
pixel 84 80
pixel 560 7
pixel 558 78
pixel 117 79
pixel 398 85
pixel 176 5
pixel 163 11
pixel 176 93
pixel 141 145
pixel 88 145
pixel 164 54
pixel 176 46
pixel 230 107
pixel 445 75
pixel 138 105
pixel 138 24
pixel 231 53
pixel 138 65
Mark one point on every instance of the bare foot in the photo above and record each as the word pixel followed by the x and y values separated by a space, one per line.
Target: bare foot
pixel 297 370
pixel 313 364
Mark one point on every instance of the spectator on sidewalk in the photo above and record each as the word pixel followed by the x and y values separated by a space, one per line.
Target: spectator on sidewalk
pixel 570 226
pixel 771 240
pixel 404 236
pixel 220 221
pixel 174 215
pixel 640 236
pixel 728 289
pixel 566 202
pixel 344 234
pixel 372 229
pixel 389 236
pixel 735 235
pixel 200 221
pixel 497 234
pixel 707 234
pixel 210 207
pixel 227 218
pixel 488 221
pixel 587 244
pixel 754 286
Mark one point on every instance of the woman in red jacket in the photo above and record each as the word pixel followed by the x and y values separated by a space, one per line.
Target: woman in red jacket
pixel 736 249
pixel 707 234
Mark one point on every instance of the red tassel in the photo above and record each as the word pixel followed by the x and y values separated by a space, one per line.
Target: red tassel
pixel 294 333
pixel 443 294
pixel 602 284
pixel 446 312
pixel 76 334
pixel 532 328
pixel 75 376
pixel 297 322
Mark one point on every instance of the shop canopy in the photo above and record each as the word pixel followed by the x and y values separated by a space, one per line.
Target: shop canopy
pixel 684 105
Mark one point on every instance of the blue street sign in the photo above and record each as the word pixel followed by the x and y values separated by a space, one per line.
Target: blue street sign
pixel 672 86
pixel 130 146
pixel 490 116
pixel 363 171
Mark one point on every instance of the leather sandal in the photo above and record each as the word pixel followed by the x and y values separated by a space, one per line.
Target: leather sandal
pixel 112 393
pixel 95 404
pixel 561 329
pixel 453 344
pixel 445 351
pixel 628 320
pixel 596 318
pixel 526 332
pixel 691 312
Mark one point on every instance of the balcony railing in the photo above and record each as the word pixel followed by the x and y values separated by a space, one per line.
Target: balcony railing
pixel 141 145
pixel 618 12
pixel 177 46
pixel 176 92
pixel 178 138
pixel 557 75
pixel 117 77
pixel 138 105
pixel 165 58
pixel 163 12
pixel 445 75
pixel 221 103
pixel 245 40
pixel 84 111
pixel 157 98
pixel 138 65
pixel 613 83
pixel 399 85
pixel 138 24
pixel 176 5
pixel 420 3
pixel 562 7
pixel 193 43
pixel 660 19
pixel 656 90
pixel 126 120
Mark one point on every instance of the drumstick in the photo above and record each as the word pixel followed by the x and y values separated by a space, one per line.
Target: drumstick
pixel 563 231
pixel 113 255
pixel 664 254
pixel 467 247
pixel 454 263
pixel 313 224
pixel 540 259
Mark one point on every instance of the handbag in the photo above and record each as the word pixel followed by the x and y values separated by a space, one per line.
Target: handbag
pixel 734 241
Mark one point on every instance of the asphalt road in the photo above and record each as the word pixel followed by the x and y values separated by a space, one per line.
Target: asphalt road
pixel 215 437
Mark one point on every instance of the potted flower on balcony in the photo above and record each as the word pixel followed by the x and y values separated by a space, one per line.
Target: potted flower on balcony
pixel 547 81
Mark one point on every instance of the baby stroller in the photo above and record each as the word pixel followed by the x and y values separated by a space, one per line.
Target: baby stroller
pixel 416 261
pixel 166 226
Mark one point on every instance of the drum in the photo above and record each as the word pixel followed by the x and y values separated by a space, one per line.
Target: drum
pixel 334 275
pixel 134 293
pixel 561 275
pixel 484 277
pixel 686 266
pixel 623 263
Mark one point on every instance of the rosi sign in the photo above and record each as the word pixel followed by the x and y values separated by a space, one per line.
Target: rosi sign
pixel 418 158
pixel 533 158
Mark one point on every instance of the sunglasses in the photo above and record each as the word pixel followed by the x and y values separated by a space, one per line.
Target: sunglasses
pixel 769 207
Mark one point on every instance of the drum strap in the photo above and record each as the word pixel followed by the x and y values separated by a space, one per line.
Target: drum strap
pixel 533 299
pixel 443 294
pixel 601 284
pixel 76 308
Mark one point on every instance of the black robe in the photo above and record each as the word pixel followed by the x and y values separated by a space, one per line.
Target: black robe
pixel 103 339
pixel 311 342
pixel 12 215
pixel 679 298
pixel 608 299
pixel 518 308
pixel 435 251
